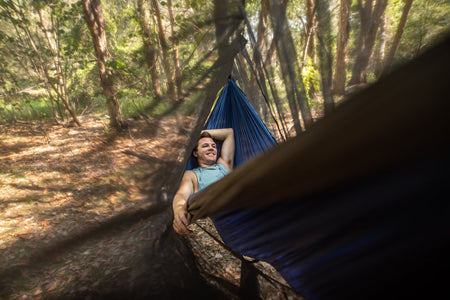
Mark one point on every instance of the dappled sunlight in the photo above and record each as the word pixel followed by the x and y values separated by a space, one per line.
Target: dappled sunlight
pixel 61 192
pixel 62 180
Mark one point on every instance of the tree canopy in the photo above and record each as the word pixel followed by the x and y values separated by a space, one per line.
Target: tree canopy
pixel 151 58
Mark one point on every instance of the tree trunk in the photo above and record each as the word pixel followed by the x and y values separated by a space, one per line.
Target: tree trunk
pixel 398 36
pixel 340 74
pixel 261 42
pixel 263 74
pixel 60 86
pixel 270 52
pixel 164 48
pixel 309 49
pixel 310 25
pixel 370 18
pixel 291 72
pixel 380 48
pixel 324 51
pixel 240 67
pixel 176 74
pixel 93 15
pixel 249 82
pixel 150 51
pixel 39 63
pixel 221 24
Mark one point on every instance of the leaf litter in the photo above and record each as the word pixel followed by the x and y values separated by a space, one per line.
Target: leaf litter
pixel 57 182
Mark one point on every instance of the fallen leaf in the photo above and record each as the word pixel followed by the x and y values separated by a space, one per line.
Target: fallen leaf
pixel 51 286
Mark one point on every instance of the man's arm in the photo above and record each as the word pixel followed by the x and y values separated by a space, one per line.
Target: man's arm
pixel 181 217
pixel 228 146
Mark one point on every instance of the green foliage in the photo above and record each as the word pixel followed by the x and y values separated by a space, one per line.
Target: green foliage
pixel 428 21
pixel 26 108
pixel 197 4
pixel 132 105
pixel 311 77
pixel 194 35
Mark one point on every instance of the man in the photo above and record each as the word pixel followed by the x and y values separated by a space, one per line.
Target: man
pixel 210 169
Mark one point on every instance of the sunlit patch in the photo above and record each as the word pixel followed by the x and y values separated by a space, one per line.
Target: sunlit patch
pixel 55 183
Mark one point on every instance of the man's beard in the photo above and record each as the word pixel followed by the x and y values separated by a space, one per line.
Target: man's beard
pixel 210 161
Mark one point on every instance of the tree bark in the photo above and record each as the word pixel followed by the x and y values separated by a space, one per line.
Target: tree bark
pixel 221 24
pixel 150 51
pixel 93 15
pixel 291 72
pixel 309 52
pixel 40 64
pixel 340 74
pixel 164 48
pixel 380 48
pixel 60 87
pixel 398 36
pixel 261 41
pixel 324 51
pixel 260 44
pixel 370 18
pixel 176 74
pixel 310 25
pixel 261 73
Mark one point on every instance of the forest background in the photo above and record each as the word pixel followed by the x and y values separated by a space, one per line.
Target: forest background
pixel 63 59
pixel 99 101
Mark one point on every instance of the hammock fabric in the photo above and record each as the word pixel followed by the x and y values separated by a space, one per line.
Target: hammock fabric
pixel 232 110
pixel 356 207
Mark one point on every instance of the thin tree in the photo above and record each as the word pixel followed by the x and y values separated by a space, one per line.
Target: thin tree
pixel 37 60
pixel 290 69
pixel 379 54
pixel 370 13
pixel 260 44
pixel 310 29
pixel 340 73
pixel 51 36
pixel 398 36
pixel 310 43
pixel 164 48
pixel 259 92
pixel 93 15
pixel 150 50
pixel 176 73
pixel 325 52
pixel 221 24
pixel 44 57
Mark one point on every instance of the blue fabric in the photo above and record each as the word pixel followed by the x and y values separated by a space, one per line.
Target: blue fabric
pixel 387 231
pixel 209 175
pixel 252 137
pixel 391 230
pixel 233 110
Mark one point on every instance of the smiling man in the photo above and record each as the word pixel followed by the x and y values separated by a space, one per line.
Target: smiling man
pixel 210 169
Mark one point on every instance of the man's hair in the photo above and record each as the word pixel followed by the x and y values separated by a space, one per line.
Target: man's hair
pixel 202 135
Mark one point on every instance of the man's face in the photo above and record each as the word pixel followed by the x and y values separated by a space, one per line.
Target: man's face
pixel 206 151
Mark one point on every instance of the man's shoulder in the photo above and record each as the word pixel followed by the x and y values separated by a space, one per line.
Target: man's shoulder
pixel 190 174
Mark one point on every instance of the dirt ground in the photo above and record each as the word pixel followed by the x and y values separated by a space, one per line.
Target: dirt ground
pixel 82 208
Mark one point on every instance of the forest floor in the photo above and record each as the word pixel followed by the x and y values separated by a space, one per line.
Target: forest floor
pixel 63 190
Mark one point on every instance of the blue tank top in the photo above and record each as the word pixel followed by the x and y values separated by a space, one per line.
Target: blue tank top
pixel 209 175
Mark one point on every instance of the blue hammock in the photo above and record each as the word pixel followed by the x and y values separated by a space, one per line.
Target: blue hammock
pixel 243 230
pixel 346 241
pixel 232 110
